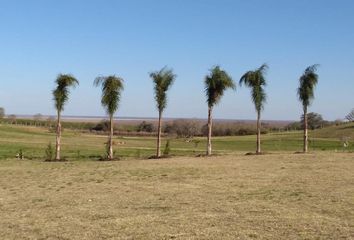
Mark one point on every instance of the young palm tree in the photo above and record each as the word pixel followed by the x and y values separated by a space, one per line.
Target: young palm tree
pixel 61 96
pixel 163 80
pixel 215 85
pixel 112 87
pixel 256 81
pixel 308 82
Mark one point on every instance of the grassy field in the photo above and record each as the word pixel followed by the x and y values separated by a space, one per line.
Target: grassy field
pixel 277 196
pixel 77 145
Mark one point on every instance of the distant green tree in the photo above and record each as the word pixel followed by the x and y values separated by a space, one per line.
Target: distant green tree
pixel 12 118
pixel 314 120
pixel 256 81
pixel 305 92
pixel 104 126
pixel 183 128
pixel 112 87
pixel 163 80
pixel 293 126
pixel 145 127
pixel 61 96
pixel 37 118
pixel 215 85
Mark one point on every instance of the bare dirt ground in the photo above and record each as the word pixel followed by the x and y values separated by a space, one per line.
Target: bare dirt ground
pixel 280 196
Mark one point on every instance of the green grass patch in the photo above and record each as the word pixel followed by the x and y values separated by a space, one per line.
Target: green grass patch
pixel 77 145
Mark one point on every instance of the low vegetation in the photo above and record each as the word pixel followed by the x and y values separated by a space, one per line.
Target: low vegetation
pixel 85 145
pixel 177 127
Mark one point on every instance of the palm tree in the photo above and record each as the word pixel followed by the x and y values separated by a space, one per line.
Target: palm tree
pixel 308 81
pixel 61 96
pixel 256 81
pixel 163 80
pixel 112 87
pixel 215 85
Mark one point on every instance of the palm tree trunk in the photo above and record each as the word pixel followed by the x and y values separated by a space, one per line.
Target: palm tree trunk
pixel 210 124
pixel 258 133
pixel 305 131
pixel 58 138
pixel 110 138
pixel 158 150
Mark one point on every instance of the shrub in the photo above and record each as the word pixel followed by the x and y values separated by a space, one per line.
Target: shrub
pixel 145 127
pixel 167 149
pixel 49 152
pixel 19 155
pixel 244 131
pixel 101 126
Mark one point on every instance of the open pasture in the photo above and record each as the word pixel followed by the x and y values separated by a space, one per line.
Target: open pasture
pixel 77 145
pixel 278 196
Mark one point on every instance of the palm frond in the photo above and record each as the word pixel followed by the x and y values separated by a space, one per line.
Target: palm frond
pixel 256 81
pixel 215 85
pixel 112 87
pixel 163 80
pixel 308 82
pixel 61 92
pixel 263 69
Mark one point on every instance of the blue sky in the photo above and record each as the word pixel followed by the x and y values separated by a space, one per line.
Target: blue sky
pixel 41 38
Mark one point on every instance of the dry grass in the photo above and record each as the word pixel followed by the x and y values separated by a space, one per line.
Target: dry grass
pixel 283 196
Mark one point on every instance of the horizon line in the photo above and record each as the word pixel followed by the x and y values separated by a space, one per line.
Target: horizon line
pixel 92 117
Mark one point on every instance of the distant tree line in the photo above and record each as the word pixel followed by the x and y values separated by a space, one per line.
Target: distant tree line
pixel 182 128
pixel 189 128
